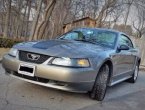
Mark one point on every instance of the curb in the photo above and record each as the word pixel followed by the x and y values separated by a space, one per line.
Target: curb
pixel 142 67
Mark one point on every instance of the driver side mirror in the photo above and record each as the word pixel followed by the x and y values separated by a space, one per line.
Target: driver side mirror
pixel 122 47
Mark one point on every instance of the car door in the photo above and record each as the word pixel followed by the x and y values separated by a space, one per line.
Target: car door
pixel 125 58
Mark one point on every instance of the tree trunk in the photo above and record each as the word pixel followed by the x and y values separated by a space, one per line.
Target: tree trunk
pixel 27 19
pixel 7 21
pixel 35 22
pixel 23 23
pixel 42 25
pixel 127 14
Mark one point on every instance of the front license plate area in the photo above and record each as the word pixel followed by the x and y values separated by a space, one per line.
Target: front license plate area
pixel 26 69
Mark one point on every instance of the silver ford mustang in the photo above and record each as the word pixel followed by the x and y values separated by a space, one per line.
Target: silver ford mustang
pixel 82 60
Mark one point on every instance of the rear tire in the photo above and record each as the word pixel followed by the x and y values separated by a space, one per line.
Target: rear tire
pixel 100 86
pixel 135 74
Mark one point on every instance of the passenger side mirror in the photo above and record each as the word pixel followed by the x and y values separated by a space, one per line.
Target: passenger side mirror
pixel 123 47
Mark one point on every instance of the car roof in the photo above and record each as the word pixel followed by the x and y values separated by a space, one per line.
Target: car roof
pixel 103 29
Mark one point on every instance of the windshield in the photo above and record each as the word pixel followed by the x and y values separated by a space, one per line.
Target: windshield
pixel 103 38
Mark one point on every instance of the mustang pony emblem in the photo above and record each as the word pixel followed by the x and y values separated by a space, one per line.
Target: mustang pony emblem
pixel 33 56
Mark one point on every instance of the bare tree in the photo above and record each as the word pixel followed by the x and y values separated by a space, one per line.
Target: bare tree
pixel 59 18
pixel 41 26
pixel 139 25
pixel 7 21
pixel 49 20
pixel 103 13
pixel 29 2
pixel 35 22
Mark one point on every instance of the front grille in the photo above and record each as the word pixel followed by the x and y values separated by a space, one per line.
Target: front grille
pixel 38 79
pixel 23 56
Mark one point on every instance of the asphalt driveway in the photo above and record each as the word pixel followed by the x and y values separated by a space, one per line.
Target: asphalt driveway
pixel 19 95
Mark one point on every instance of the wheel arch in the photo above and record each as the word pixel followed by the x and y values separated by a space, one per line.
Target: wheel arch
pixel 110 64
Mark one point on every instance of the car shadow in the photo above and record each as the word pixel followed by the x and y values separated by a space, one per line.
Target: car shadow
pixel 113 92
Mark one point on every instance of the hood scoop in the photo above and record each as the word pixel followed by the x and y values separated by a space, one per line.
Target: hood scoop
pixel 48 44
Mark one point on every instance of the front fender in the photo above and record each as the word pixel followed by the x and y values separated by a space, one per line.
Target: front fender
pixel 98 62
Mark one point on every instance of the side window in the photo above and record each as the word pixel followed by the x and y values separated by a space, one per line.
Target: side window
pixel 124 40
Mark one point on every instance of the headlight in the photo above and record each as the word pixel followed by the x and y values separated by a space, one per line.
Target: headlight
pixel 71 62
pixel 13 52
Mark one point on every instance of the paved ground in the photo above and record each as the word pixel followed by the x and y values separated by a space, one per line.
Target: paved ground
pixel 19 95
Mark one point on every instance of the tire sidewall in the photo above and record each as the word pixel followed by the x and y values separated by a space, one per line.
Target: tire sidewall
pixel 96 82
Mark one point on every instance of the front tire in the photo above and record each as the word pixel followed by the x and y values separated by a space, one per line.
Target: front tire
pixel 100 86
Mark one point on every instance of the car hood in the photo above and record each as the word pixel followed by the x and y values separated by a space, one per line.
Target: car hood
pixel 62 48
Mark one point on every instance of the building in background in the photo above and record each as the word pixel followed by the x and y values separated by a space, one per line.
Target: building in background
pixel 89 22
pixel 84 22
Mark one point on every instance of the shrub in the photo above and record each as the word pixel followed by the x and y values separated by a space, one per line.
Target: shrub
pixel 8 43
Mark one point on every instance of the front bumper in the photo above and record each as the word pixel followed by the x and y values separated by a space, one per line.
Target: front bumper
pixel 73 79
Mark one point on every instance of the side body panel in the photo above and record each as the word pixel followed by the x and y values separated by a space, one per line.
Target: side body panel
pixel 124 64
